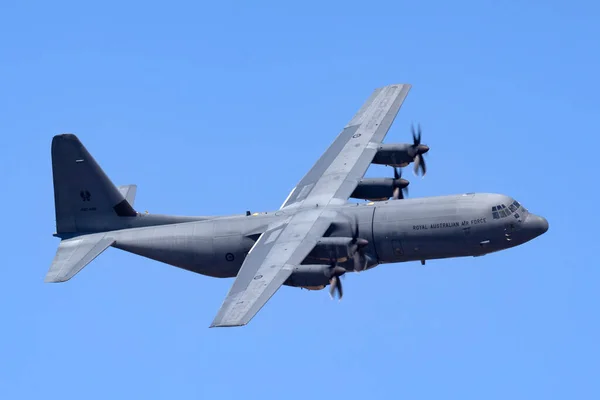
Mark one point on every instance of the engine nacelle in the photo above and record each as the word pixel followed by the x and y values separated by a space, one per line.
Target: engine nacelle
pixel 377 189
pixel 395 155
pixel 313 277
pixel 374 189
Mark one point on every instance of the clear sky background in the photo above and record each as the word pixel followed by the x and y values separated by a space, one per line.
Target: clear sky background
pixel 220 107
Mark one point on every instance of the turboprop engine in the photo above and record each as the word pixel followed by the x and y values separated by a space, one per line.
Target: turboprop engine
pixel 400 155
pixel 380 189
pixel 316 277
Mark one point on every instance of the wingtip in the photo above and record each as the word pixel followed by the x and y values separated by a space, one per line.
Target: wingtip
pixel 221 325
pixel 408 85
pixel 54 279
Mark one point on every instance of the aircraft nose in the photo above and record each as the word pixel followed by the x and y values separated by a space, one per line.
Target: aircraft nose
pixel 537 224
pixel 544 225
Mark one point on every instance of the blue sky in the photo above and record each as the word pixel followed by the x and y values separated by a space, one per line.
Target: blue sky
pixel 216 108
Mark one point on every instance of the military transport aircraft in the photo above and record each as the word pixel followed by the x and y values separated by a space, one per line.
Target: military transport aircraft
pixel 314 238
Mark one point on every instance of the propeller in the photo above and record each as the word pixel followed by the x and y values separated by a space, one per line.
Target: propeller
pixel 400 185
pixel 356 249
pixel 418 150
pixel 334 272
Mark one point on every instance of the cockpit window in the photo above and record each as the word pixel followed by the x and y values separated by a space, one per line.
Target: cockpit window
pixel 501 211
pixel 514 206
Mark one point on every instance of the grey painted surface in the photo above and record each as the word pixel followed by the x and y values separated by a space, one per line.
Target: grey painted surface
pixel 336 174
pixel 129 192
pixel 294 245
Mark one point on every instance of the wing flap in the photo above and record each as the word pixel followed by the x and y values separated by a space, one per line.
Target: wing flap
pixel 74 254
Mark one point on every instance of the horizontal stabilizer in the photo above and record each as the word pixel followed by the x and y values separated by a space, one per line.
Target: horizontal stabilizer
pixel 74 254
pixel 128 191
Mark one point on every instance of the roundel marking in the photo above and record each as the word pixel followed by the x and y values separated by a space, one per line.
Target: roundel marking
pixel 229 257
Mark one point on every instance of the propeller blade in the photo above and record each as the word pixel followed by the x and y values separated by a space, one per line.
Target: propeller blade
pixel 335 285
pixel 416 136
pixel 332 285
pixel 338 286
pixel 357 264
pixel 360 261
pixel 418 150
pixel 417 162
pixel 423 166
pixel 356 241
pixel 399 183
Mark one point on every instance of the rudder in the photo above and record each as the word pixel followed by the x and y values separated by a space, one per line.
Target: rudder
pixel 85 199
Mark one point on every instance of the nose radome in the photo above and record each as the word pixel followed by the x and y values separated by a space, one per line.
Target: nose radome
pixel 538 224
pixel 544 224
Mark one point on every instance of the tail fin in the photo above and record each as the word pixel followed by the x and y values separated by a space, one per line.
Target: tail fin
pixel 84 197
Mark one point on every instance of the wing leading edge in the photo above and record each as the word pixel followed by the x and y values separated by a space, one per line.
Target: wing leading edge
pixel 331 180
pixel 336 174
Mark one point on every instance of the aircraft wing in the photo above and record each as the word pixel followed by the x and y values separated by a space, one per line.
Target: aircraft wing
pixel 270 262
pixel 332 180
pixel 336 174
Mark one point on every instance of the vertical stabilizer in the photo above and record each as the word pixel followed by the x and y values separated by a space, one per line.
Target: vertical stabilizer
pixel 84 197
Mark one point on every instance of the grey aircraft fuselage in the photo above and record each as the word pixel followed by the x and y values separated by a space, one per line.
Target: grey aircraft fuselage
pixel 396 230
pixel 316 236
